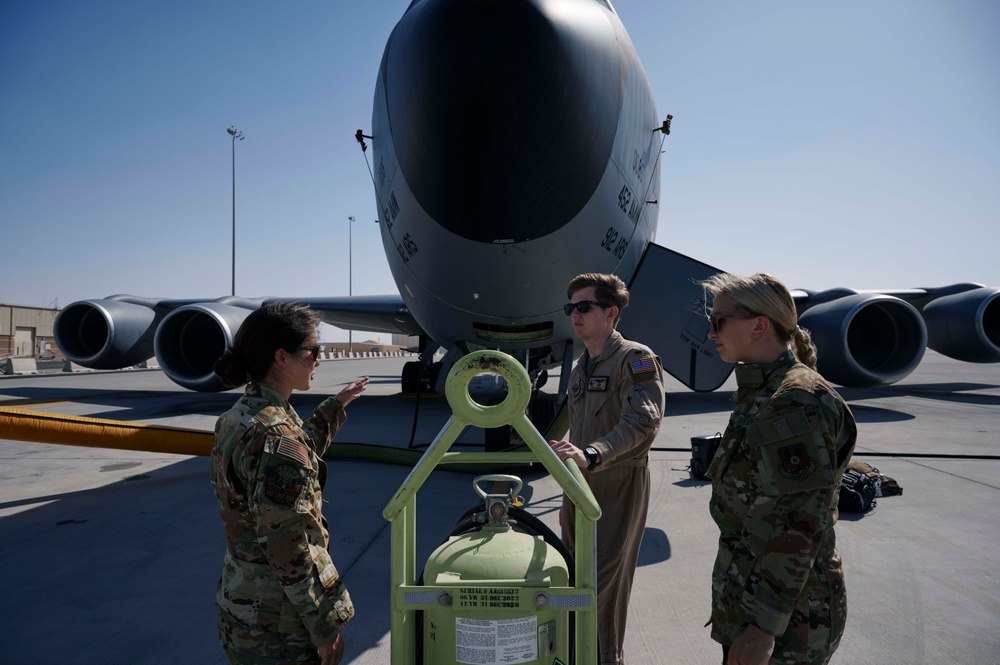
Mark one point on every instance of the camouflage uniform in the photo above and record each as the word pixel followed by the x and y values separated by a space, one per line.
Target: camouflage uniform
pixel 775 481
pixel 280 595
pixel 615 405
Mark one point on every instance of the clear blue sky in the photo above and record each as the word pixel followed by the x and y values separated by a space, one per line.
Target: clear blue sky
pixel 831 144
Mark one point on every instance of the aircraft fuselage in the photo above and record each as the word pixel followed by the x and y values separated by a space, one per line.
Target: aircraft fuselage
pixel 460 84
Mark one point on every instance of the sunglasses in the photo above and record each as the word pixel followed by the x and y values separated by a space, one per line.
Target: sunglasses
pixel 715 322
pixel 313 350
pixel 583 306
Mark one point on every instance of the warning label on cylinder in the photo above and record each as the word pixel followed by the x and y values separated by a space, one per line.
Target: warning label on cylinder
pixel 506 641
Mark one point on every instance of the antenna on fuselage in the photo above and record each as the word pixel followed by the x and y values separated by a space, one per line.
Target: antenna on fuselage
pixel 364 146
pixel 665 127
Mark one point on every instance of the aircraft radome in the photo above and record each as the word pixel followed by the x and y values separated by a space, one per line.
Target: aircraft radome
pixel 504 167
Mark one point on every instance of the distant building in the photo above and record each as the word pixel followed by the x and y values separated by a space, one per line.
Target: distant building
pixel 26 332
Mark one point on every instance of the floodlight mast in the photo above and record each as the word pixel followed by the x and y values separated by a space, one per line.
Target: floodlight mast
pixel 237 135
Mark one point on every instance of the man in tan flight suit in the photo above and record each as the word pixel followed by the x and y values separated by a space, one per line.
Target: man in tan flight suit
pixel 615 405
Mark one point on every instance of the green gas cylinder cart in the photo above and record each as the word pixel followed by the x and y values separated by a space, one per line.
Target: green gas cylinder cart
pixel 496 595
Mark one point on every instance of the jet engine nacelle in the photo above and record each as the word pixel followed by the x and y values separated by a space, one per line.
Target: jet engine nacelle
pixel 106 333
pixel 866 340
pixel 191 338
pixel 965 326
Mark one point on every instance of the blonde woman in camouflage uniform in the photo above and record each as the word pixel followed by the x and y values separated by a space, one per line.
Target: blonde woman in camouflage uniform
pixel 615 405
pixel 280 599
pixel 778 591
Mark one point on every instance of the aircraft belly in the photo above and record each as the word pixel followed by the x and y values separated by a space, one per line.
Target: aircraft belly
pixel 433 265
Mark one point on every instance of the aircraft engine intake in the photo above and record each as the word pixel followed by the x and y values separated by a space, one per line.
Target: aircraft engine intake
pixel 866 340
pixel 191 338
pixel 105 334
pixel 965 326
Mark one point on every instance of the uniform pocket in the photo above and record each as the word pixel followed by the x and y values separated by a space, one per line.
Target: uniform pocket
pixel 242 590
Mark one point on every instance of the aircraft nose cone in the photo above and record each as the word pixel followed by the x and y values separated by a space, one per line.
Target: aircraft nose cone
pixel 503 112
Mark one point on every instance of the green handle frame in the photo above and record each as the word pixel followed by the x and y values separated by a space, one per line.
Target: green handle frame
pixel 401 510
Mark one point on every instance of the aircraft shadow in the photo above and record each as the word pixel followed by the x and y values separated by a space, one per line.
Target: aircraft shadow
pixel 138 561
pixel 874 414
pixel 115 567
pixel 690 403
pixel 958 392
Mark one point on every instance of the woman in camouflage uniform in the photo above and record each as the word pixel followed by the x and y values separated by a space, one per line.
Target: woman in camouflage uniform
pixel 280 599
pixel 778 591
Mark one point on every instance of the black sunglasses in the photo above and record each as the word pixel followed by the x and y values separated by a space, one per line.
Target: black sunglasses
pixel 583 306
pixel 715 322
pixel 313 350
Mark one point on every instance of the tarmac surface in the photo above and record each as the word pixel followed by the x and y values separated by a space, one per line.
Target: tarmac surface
pixel 113 556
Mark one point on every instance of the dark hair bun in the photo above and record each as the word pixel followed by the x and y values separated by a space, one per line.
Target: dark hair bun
pixel 231 369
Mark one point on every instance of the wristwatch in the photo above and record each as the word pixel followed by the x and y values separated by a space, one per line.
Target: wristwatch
pixel 593 457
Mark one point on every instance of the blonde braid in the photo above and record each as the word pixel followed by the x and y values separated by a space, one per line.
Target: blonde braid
pixel 804 348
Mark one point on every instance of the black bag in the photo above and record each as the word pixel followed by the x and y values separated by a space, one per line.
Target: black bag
pixel 857 492
pixel 703 449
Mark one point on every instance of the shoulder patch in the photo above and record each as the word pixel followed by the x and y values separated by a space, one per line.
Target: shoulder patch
pixel 642 365
pixel 293 450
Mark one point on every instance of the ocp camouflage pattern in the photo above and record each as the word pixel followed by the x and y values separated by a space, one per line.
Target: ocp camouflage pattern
pixel 280 595
pixel 775 484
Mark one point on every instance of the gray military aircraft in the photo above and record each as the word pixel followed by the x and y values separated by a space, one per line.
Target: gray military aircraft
pixel 503 166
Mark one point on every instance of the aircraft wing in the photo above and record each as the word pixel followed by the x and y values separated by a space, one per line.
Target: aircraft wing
pixel 187 336
pixel 863 338
pixel 877 337
pixel 387 314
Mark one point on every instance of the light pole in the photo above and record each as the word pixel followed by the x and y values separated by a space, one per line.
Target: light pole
pixel 350 278
pixel 236 134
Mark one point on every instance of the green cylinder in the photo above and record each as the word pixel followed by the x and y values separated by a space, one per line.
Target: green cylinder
pixel 498 610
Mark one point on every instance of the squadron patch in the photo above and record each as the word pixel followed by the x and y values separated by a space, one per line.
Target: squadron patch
pixel 796 463
pixel 597 384
pixel 283 484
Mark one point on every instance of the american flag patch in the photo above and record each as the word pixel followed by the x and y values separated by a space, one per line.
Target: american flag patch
pixel 292 449
pixel 644 364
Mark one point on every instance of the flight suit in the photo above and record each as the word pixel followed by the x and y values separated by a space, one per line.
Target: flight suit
pixel 615 406
pixel 280 595
pixel 775 483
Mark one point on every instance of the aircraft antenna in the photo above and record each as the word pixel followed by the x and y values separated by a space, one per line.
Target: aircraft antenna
pixel 360 137
pixel 665 129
